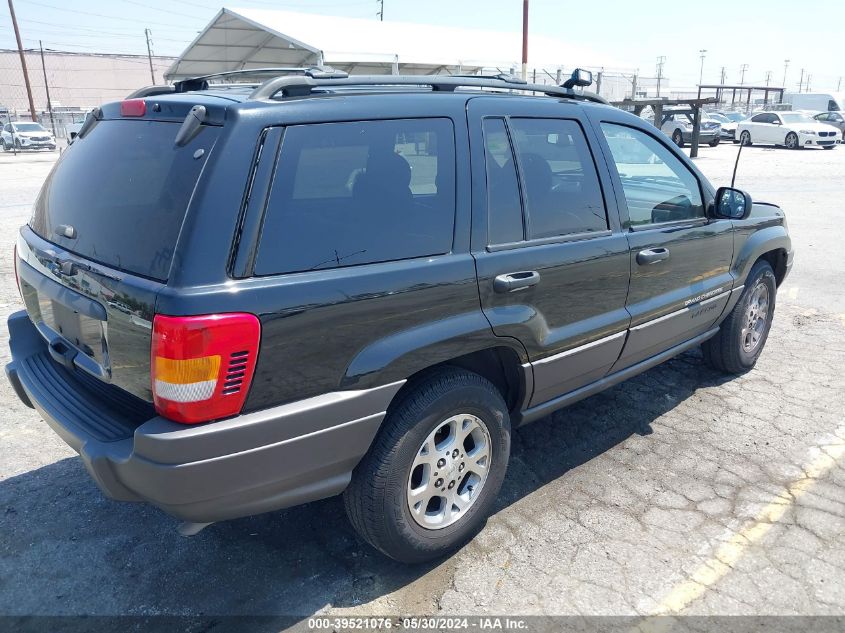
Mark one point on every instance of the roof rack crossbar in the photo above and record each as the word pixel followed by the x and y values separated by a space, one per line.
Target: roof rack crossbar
pixel 291 86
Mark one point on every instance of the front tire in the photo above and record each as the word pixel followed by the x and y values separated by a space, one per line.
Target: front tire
pixel 743 334
pixel 791 141
pixel 829 146
pixel 714 142
pixel 431 477
pixel 678 138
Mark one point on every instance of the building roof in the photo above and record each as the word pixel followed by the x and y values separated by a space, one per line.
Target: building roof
pixel 258 38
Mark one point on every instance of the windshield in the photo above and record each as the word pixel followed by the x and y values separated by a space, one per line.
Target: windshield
pixel 29 127
pixel 720 118
pixel 735 116
pixel 794 117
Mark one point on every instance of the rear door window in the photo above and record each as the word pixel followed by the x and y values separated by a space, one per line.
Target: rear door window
pixel 124 188
pixel 356 193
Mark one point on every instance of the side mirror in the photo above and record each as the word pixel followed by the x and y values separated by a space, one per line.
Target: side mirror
pixel 580 77
pixel 732 204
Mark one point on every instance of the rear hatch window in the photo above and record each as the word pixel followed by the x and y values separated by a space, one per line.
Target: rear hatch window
pixel 124 189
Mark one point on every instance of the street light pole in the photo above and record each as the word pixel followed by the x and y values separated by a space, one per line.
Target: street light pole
pixel 785 66
pixel 524 40
pixel 47 89
pixel 703 53
pixel 661 60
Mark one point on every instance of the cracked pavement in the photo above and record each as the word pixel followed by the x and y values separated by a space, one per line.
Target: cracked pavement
pixel 614 506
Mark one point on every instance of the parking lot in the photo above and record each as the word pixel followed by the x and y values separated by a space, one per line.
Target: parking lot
pixel 680 491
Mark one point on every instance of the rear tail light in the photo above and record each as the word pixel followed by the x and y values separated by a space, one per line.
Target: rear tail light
pixel 202 366
pixel 133 107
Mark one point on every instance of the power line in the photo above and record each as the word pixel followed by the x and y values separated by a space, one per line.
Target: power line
pixel 96 15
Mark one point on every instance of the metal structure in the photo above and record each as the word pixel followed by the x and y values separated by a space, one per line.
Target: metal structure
pixel 236 39
pixel 638 105
pixel 747 91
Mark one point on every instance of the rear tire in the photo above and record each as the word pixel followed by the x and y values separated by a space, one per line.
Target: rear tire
pixel 714 142
pixel 742 335
pixel 745 138
pixel 678 138
pixel 407 463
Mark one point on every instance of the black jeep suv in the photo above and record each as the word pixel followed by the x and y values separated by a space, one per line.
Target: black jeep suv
pixel 239 299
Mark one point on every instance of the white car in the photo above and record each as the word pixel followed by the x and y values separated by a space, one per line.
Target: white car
pixel 26 135
pixel 794 130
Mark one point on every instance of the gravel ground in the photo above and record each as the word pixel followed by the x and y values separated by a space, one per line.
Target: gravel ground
pixel 679 491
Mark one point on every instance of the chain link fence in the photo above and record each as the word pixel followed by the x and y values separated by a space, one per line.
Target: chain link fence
pixel 76 82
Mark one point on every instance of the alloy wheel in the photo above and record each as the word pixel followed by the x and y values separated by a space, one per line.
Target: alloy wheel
pixel 756 317
pixel 449 471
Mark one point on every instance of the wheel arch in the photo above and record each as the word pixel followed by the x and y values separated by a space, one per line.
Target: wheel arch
pixel 771 243
pixel 499 364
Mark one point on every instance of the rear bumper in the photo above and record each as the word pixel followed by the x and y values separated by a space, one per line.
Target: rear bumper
pixel 253 463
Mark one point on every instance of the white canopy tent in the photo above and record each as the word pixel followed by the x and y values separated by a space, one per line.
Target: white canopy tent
pixel 239 39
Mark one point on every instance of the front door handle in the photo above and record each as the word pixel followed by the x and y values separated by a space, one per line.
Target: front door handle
pixel 652 256
pixel 516 281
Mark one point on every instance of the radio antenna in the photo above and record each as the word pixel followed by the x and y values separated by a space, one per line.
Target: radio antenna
pixel 736 164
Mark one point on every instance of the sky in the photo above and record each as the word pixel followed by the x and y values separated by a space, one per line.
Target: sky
pixel 760 34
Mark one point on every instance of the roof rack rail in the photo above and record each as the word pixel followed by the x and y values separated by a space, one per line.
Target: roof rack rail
pixel 201 82
pixel 296 86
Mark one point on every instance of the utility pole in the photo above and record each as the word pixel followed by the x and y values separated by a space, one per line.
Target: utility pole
pixel 807 87
pixel 47 89
pixel 148 35
pixel 634 87
pixel 785 66
pixel 661 60
pixel 724 75
pixel 742 70
pixel 381 11
pixel 801 81
pixel 768 76
pixel 524 40
pixel 23 63
pixel 839 85
pixel 703 53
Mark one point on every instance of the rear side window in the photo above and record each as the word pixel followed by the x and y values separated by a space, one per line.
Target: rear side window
pixel 358 193
pixel 561 187
pixel 124 189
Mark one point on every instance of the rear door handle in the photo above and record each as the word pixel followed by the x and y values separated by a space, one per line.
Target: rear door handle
pixel 516 281
pixel 652 256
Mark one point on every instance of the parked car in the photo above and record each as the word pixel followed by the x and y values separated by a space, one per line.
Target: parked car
pixel 736 117
pixel 338 288
pixel 727 126
pixel 825 101
pixel 26 135
pixel 793 130
pixel 832 118
pixel 678 125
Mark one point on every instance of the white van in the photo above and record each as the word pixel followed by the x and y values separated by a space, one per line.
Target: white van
pixel 824 101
